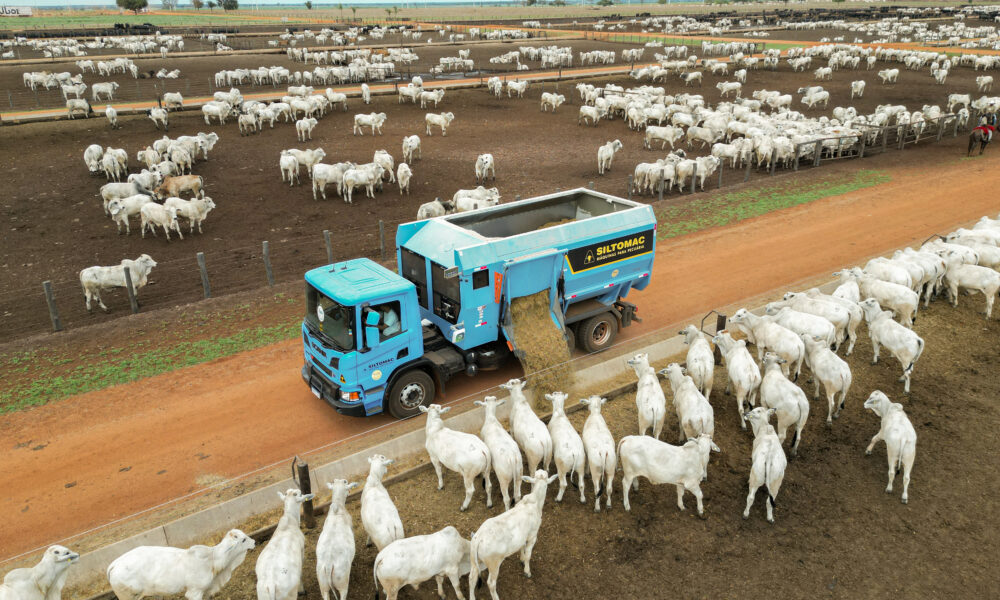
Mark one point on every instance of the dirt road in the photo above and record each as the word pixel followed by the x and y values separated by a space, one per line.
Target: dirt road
pixel 112 453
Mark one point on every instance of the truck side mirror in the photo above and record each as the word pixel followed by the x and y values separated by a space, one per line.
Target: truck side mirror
pixel 372 318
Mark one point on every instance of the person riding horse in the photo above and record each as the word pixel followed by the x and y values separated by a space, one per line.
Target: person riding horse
pixel 983 134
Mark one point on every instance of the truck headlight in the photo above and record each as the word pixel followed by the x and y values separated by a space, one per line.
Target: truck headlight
pixel 349 396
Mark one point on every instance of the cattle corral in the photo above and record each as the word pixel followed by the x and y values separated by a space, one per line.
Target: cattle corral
pixel 547 151
pixel 836 532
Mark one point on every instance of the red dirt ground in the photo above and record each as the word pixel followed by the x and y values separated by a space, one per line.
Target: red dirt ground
pixel 56 225
pixel 218 418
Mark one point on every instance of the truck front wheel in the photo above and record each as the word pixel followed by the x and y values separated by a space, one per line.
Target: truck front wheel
pixel 598 332
pixel 411 391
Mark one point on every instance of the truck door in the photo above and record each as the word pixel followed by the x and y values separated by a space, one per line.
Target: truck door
pixel 530 275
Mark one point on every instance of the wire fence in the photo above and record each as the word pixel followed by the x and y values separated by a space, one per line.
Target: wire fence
pixel 36 309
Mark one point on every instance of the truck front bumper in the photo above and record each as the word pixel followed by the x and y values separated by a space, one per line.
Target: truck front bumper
pixel 329 392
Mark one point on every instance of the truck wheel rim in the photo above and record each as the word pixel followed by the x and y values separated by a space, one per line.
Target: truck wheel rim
pixel 412 396
pixel 601 334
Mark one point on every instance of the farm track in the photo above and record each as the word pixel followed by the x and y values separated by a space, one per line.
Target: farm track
pixel 219 418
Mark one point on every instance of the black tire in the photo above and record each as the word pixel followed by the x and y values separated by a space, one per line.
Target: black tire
pixel 598 333
pixel 571 338
pixel 411 390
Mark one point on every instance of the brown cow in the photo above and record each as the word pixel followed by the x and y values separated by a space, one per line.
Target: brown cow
pixel 173 186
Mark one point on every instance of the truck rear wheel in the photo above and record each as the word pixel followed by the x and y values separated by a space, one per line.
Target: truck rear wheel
pixel 411 391
pixel 598 332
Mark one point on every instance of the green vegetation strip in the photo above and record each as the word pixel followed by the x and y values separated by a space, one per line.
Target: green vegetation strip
pixel 120 365
pixel 723 209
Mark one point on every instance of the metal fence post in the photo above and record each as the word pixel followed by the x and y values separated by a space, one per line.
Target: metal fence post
pixel 590 185
pixel 132 302
pixel 204 275
pixel 517 198
pixel 51 301
pixel 329 246
pixel 381 238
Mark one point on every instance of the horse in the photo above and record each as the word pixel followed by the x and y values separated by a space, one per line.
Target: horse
pixel 978 135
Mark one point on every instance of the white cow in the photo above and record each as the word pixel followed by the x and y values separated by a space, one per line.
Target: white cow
pixel 94 280
pixel 279 565
pixel 899 436
pixel 527 429
pixel 335 547
pixel 461 452
pixel 683 466
pixel 44 581
pixel 414 560
pixel 513 531
pixel 504 453
pixel 567 446
pixel 606 155
pixel 378 513
pixel 768 460
pixel 198 572
pixel 651 403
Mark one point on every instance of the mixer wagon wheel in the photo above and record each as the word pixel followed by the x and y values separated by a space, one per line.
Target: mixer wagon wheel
pixel 598 332
pixel 412 390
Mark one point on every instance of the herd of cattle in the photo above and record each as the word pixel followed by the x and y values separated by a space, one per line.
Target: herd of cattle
pixel 807 328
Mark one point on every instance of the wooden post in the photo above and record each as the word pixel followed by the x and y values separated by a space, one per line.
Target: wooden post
pixel 628 187
pixel 204 275
pixel 955 132
pixel 722 165
pixel 694 177
pixel 267 264
pixel 940 128
pixel 861 151
pixel 774 159
pixel 885 138
pixel 51 301
pixel 661 185
pixel 517 198
pixel 795 167
pixel 329 246
pixel 746 174
pixel 590 185
pixel 381 238
pixel 133 303
pixel 720 324
pixel 305 486
pixel 818 151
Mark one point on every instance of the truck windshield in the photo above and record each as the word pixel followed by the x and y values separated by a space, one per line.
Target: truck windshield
pixel 329 319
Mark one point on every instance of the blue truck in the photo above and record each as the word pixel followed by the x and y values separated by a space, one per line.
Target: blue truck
pixel 375 340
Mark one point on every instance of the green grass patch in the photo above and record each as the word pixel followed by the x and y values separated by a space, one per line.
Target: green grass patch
pixel 732 207
pixel 50 378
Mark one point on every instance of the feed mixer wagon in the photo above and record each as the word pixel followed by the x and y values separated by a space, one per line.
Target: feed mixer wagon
pixel 377 340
